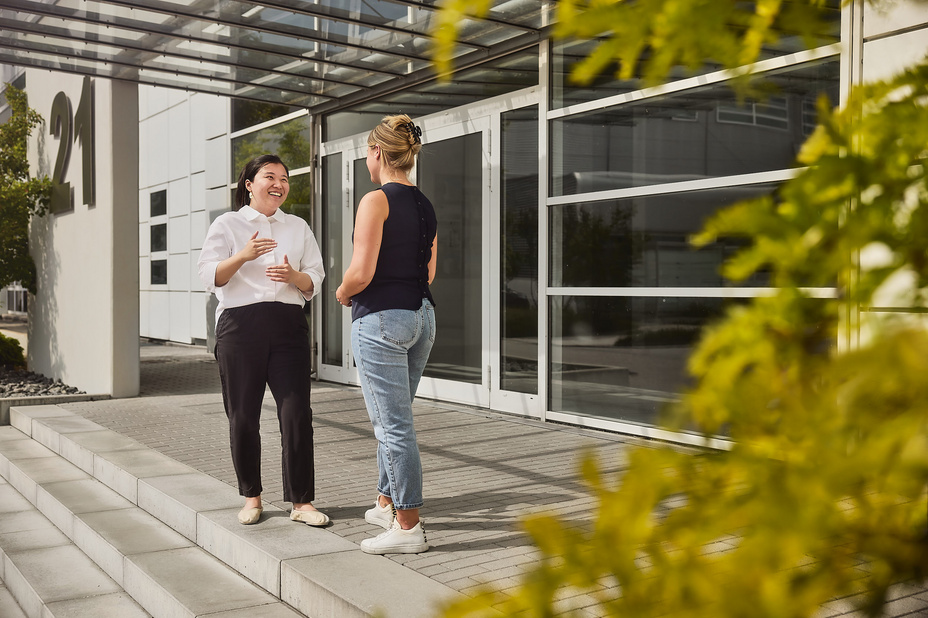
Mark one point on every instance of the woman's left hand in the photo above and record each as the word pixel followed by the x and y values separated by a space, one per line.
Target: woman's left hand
pixel 341 298
pixel 282 273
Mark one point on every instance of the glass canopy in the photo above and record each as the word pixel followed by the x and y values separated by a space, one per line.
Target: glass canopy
pixel 317 54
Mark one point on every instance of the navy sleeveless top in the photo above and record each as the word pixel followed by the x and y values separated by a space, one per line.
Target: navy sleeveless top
pixel 401 279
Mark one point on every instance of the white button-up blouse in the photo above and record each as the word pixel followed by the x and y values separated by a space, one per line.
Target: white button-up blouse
pixel 229 234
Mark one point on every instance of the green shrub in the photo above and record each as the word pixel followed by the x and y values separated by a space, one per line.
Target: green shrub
pixel 11 353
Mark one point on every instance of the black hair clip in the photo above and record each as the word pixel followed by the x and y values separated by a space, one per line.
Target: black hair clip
pixel 415 131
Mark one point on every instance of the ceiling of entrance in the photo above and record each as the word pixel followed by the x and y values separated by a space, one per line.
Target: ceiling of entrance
pixel 317 54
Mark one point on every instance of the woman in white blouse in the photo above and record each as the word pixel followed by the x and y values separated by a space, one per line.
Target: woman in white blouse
pixel 263 265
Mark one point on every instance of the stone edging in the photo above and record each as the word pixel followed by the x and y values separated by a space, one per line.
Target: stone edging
pixel 42 400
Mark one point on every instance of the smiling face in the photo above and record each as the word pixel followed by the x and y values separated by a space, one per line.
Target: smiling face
pixel 269 188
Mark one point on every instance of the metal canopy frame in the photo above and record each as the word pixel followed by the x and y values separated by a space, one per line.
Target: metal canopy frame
pixel 315 54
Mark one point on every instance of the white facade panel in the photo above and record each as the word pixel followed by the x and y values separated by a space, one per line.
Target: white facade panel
pixel 217 162
pixel 157 146
pixel 889 17
pixel 179 197
pixel 198 192
pixel 199 223
pixel 179 238
pixel 180 317
pixel 179 140
pixel 198 315
pixel 144 241
pixel 198 108
pixel 179 272
pixel 889 56
pixel 216 116
pixel 159 310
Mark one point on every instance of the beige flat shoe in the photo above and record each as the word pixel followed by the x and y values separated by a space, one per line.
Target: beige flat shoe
pixel 311 518
pixel 250 516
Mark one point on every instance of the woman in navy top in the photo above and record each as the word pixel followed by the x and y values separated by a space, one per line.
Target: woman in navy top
pixel 393 325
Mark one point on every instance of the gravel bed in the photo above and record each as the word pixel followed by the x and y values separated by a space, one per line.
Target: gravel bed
pixel 15 383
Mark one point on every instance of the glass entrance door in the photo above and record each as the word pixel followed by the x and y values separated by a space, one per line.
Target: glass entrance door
pixel 481 174
pixel 454 172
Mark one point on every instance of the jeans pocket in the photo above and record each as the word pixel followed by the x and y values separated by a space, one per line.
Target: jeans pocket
pixel 399 326
pixel 430 320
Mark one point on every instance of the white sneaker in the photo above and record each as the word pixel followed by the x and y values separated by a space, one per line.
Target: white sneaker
pixel 380 515
pixel 397 541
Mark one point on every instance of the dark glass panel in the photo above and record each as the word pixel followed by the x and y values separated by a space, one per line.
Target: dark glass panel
pixel 700 133
pixel 159 237
pixel 159 202
pixel 623 358
pixel 331 246
pixel 519 251
pixel 644 241
pixel 159 272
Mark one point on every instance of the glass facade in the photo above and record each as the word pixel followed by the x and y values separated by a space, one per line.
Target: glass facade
pixel 704 132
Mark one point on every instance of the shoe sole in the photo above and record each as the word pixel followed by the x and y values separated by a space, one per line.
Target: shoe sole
pixel 403 549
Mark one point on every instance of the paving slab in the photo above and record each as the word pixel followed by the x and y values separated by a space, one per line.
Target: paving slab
pixel 21 417
pixel 108 536
pixel 257 551
pixel 115 605
pixel 48 431
pixel 276 610
pixel 16 449
pixel 27 474
pixel 355 584
pixel 122 469
pixel 80 448
pixel 59 502
pixel 176 499
pixel 189 583
pixel 9 608
pixel 47 575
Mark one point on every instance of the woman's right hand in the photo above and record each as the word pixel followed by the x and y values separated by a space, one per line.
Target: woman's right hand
pixel 256 247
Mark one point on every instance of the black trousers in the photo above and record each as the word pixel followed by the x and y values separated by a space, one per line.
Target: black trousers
pixel 267 344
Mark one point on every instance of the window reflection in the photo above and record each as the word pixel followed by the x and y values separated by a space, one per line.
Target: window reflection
pixel 624 358
pixel 701 133
pixel 566 54
pixel 291 141
pixel 519 252
pixel 644 241
pixel 331 246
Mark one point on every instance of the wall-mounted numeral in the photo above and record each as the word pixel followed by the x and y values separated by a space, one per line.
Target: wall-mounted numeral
pixel 61 127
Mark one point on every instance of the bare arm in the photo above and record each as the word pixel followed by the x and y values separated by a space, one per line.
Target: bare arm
pixel 433 262
pixel 373 210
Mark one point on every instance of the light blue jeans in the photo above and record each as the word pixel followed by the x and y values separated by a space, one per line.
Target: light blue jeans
pixel 390 349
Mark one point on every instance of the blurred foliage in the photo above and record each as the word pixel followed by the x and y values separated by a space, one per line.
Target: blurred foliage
pixel 11 353
pixel 821 492
pixel 21 197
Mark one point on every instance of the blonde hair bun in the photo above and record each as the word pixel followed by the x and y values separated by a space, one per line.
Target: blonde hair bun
pixel 399 140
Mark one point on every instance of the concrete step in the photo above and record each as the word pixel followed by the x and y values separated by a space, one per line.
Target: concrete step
pixel 148 521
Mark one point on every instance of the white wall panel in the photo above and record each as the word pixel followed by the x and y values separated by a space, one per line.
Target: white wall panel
pixel 179 197
pixel 144 302
pixel 889 17
pixel 178 238
pixel 198 106
pixel 158 151
pixel 217 162
pixel 198 315
pixel 144 240
pixel 179 140
pixel 199 223
pixel 197 192
pixel 216 116
pixel 159 307
pixel 887 57
pixel 180 317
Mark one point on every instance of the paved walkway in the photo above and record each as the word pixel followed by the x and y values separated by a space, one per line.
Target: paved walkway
pixel 483 471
